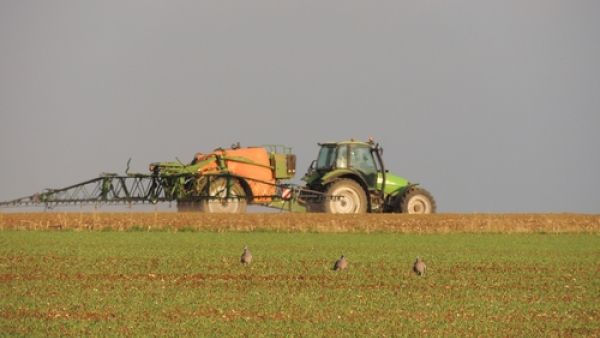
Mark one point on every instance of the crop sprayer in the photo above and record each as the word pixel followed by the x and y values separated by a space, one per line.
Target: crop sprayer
pixel 346 177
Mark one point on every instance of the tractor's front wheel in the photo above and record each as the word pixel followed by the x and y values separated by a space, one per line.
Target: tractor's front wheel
pixel 220 201
pixel 416 201
pixel 345 196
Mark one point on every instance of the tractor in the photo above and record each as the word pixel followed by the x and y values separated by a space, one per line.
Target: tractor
pixel 353 177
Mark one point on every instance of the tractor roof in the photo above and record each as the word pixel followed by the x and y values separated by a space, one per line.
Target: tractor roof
pixel 366 144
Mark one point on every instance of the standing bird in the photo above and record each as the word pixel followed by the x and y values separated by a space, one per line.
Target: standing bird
pixel 340 264
pixel 246 256
pixel 419 267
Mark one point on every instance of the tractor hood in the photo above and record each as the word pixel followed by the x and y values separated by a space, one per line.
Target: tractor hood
pixel 393 183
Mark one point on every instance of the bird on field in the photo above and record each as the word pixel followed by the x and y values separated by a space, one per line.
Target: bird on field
pixel 419 267
pixel 340 264
pixel 246 256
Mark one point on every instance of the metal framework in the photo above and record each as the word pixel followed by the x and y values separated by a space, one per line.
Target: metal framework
pixel 107 188
pixel 141 188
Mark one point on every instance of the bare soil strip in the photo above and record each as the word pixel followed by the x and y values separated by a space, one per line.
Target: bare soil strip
pixel 291 222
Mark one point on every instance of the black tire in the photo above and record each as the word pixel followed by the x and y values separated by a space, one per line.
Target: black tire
pixel 218 201
pixel 416 200
pixel 352 198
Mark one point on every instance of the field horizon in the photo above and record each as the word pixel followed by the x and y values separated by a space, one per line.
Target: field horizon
pixel 298 222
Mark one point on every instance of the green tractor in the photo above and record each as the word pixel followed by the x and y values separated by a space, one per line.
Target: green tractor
pixel 353 178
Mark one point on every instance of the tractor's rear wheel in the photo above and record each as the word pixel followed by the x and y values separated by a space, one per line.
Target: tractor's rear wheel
pixel 220 202
pixel 345 196
pixel 416 200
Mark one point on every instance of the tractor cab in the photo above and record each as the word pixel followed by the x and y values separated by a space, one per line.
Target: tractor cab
pixel 360 159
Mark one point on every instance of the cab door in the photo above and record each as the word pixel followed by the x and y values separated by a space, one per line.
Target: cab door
pixel 361 159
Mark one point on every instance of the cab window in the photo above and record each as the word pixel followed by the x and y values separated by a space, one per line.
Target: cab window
pixel 362 159
pixel 342 157
pixel 326 158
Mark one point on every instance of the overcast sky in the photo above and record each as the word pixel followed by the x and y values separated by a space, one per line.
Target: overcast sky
pixel 493 106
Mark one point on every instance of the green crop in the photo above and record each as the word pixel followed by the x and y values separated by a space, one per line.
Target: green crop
pixel 191 283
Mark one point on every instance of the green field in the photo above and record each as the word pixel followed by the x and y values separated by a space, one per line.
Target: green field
pixel 191 283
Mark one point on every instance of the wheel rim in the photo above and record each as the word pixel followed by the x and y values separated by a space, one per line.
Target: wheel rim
pixel 219 202
pixel 419 204
pixel 345 202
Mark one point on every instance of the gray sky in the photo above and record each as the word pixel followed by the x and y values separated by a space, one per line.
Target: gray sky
pixel 494 106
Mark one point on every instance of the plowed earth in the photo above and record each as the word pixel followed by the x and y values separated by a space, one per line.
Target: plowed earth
pixel 294 222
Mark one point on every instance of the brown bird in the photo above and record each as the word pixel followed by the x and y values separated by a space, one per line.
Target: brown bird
pixel 340 264
pixel 246 256
pixel 419 267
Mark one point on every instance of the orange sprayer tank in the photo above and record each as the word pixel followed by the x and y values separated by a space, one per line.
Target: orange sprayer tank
pixel 255 165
